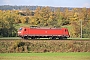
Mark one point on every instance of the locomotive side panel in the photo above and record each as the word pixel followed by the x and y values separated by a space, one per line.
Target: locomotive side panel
pixel 46 32
pixel 42 32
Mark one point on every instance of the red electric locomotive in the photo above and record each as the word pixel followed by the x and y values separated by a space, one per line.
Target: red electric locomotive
pixel 37 32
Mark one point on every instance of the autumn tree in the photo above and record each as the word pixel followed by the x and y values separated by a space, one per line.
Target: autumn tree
pixel 86 29
pixel 45 17
pixel 7 27
pixel 45 14
pixel 52 20
pixel 88 14
pixel 58 17
pixel 66 14
pixel 37 16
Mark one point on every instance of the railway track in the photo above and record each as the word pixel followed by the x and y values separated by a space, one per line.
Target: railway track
pixel 29 40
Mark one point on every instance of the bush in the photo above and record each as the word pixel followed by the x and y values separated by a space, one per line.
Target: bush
pixel 44 46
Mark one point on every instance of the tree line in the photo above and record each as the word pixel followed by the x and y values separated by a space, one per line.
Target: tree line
pixel 45 17
pixel 15 7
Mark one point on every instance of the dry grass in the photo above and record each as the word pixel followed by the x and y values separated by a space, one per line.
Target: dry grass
pixel 45 56
pixel 19 46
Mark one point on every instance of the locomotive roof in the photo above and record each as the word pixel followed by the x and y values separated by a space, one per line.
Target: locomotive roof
pixel 43 28
pixel 47 28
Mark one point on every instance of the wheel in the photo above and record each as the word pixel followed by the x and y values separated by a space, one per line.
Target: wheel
pixel 65 38
pixel 60 38
pixel 53 38
pixel 25 37
pixel 33 38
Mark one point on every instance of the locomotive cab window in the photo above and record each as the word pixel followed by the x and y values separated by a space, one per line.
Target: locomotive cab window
pixel 24 29
pixel 65 30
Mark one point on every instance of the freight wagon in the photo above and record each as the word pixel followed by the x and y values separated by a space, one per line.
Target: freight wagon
pixel 39 32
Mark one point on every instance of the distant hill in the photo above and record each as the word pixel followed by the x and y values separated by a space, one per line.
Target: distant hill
pixel 8 7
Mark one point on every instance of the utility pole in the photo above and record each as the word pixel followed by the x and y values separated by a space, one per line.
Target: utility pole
pixel 81 27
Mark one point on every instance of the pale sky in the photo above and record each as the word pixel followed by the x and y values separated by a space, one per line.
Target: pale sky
pixel 53 3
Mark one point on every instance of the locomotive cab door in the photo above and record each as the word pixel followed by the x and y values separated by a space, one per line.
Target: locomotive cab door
pixel 67 33
pixel 25 32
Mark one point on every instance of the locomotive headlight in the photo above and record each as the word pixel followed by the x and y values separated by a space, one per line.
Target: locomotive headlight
pixel 19 32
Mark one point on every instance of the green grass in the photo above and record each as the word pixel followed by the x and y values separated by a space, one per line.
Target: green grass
pixel 9 38
pixel 45 56
pixel 67 26
pixel 79 38
pixel 17 26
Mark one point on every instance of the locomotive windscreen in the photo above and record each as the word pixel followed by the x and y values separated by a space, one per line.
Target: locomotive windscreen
pixel 20 29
